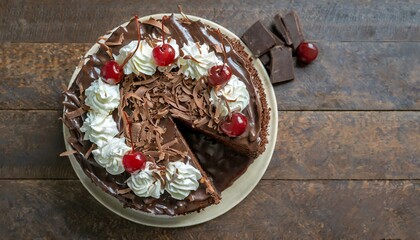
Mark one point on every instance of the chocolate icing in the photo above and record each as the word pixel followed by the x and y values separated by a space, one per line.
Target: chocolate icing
pixel 223 164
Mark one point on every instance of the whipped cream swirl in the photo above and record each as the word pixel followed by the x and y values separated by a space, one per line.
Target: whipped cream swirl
pixel 109 156
pixel 146 183
pixel 142 60
pixel 181 179
pixel 99 128
pixel 102 97
pixel 235 93
pixel 197 60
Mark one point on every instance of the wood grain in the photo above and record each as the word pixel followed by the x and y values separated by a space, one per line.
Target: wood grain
pixel 356 76
pixel 30 145
pixel 79 21
pixel 303 210
pixel 338 130
pixel 310 145
pixel 346 76
pixel 347 145
pixel 33 74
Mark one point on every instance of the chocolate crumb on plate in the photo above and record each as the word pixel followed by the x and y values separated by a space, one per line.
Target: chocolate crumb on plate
pixel 259 39
pixel 281 66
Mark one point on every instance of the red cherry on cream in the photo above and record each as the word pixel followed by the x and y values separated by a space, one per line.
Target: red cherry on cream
pixel 307 52
pixel 219 75
pixel 164 54
pixel 234 125
pixel 111 72
pixel 134 161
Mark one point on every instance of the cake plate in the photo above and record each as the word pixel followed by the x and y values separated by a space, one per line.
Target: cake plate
pixel 230 197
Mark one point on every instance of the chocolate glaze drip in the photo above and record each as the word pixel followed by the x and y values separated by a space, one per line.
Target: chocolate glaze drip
pixel 222 164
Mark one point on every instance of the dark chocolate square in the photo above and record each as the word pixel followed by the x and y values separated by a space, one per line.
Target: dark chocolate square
pixel 265 59
pixel 259 39
pixel 276 39
pixel 293 27
pixel 282 67
pixel 281 29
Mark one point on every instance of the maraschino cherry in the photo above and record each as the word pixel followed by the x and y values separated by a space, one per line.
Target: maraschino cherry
pixel 133 160
pixel 112 72
pixel 219 75
pixel 234 125
pixel 307 52
pixel 163 54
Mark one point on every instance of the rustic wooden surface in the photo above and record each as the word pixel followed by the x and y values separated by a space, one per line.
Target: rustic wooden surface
pixel 347 158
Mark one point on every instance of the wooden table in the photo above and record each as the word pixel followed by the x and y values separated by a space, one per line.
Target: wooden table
pixel 347 158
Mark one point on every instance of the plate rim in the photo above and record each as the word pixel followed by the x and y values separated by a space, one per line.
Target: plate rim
pixel 240 192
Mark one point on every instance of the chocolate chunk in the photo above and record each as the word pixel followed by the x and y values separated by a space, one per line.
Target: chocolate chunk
pixel 276 39
pixel 281 67
pixel 281 29
pixel 265 59
pixel 259 39
pixel 292 24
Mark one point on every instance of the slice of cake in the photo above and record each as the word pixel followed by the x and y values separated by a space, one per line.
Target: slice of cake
pixel 121 106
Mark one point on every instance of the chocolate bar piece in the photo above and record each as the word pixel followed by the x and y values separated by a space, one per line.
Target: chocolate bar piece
pixel 265 59
pixel 276 39
pixel 281 29
pixel 295 31
pixel 281 66
pixel 259 39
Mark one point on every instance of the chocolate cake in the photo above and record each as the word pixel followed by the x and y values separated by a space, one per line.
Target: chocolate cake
pixel 166 137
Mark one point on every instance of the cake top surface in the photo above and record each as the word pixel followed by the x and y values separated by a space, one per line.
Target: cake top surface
pixel 149 94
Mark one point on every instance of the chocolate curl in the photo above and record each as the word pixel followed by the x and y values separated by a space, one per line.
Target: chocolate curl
pixel 136 18
pixel 223 45
pixel 129 129
pixel 182 12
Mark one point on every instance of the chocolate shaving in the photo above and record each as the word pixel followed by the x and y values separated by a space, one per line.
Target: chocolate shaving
pixel 184 98
pixel 133 95
pixel 173 104
pixel 201 122
pixel 162 112
pixel 106 48
pixel 183 154
pixel 152 153
pixel 86 156
pixel 123 191
pixel 67 153
pixel 169 75
pixel 118 42
pixel 76 113
pixel 197 100
pixel 186 90
pixel 161 156
pixel 141 91
pixel 129 196
pixel 155 23
pixel 146 81
pixel 218 48
pixel 170 144
pixel 180 114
